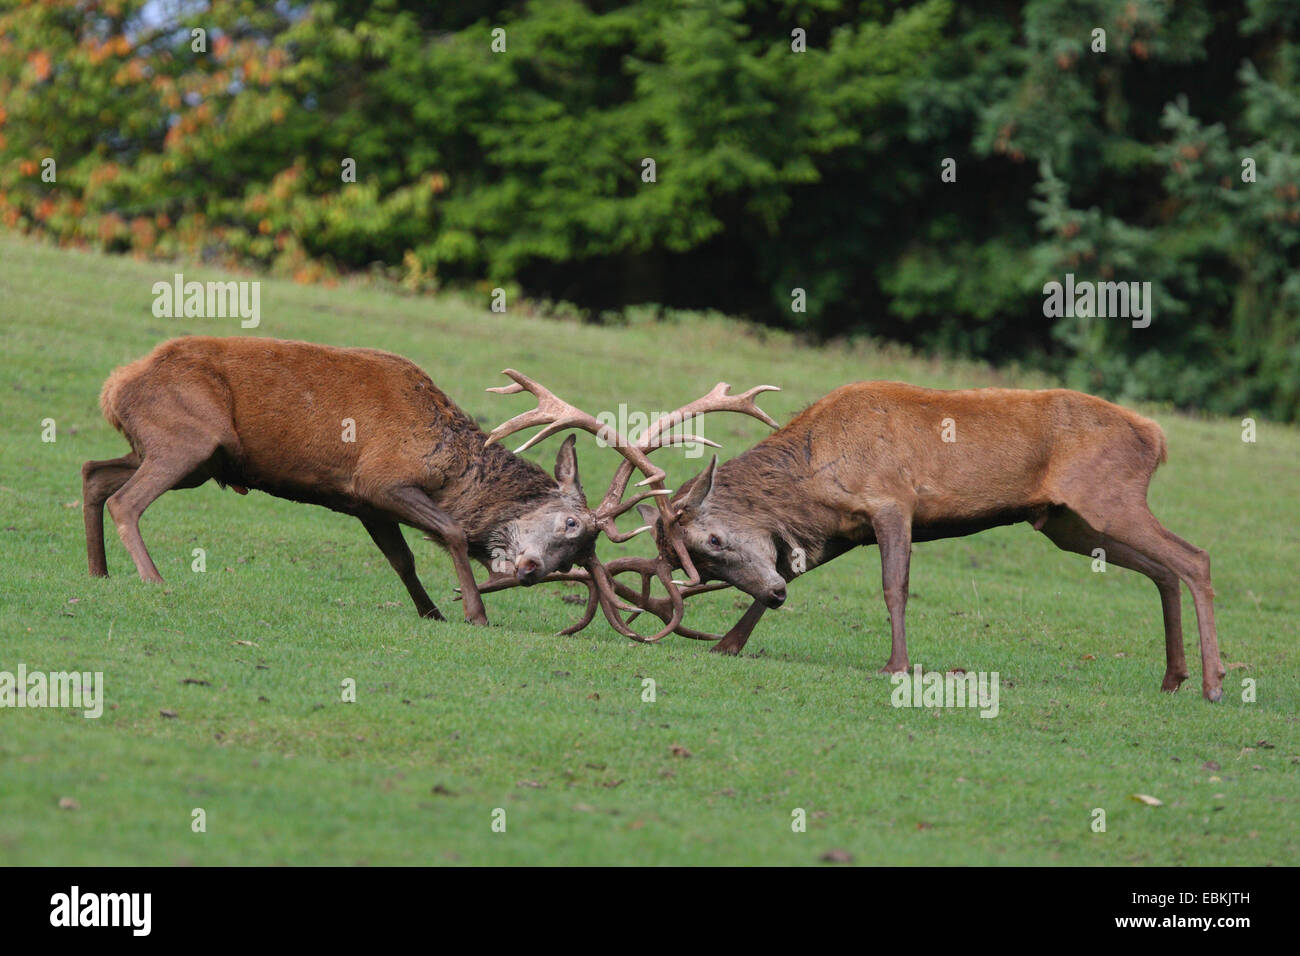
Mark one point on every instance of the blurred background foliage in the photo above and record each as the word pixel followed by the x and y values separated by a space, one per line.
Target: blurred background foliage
pixel 775 169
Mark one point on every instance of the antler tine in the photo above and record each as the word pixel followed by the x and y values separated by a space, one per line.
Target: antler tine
pixel 607 594
pixel 717 400
pixel 551 411
pixel 502 582
pixel 606 515
pixel 662 607
pixel 588 615
pixel 557 415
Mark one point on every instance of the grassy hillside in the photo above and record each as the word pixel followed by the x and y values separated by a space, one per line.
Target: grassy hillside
pixel 453 722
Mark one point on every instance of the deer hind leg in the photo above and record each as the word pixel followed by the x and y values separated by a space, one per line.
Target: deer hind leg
pixel 733 642
pixel 388 535
pixel 1134 525
pixel 99 479
pixel 1069 532
pixel 893 531
pixel 412 506
pixel 180 465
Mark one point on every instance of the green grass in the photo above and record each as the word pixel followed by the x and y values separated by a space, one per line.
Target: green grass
pixel 452 722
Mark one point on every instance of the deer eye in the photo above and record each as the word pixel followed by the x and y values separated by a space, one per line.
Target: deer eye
pixel 715 542
pixel 570 523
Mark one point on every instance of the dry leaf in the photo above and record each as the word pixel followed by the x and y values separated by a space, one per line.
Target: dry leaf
pixel 1149 800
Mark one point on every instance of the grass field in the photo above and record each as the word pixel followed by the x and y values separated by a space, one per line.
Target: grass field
pixel 453 722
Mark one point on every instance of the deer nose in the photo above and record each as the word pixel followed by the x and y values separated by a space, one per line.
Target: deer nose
pixel 526 571
pixel 776 596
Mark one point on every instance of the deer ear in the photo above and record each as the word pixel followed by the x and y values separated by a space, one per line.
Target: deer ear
pixel 566 469
pixel 649 513
pixel 699 490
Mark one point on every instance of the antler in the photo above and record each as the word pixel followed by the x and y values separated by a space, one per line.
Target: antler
pixel 665 608
pixel 603 590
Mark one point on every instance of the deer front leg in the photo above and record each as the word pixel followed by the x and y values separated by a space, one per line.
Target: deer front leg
pixel 388 535
pixel 733 642
pixel 894 536
pixel 414 507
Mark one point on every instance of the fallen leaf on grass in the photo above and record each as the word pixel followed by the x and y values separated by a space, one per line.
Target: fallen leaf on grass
pixel 169 714
pixel 836 856
pixel 1149 800
pixel 67 803
pixel 679 751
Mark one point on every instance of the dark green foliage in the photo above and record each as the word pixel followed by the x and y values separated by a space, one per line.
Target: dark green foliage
pixel 774 170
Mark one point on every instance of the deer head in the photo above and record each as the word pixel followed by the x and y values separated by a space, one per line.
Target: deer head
pixel 604 591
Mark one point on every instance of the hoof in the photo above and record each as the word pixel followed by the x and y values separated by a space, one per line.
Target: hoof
pixel 1172 682
pixel 892 668
pixel 722 647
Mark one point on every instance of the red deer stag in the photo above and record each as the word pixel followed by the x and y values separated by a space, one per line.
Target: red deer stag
pixel 889 464
pixel 359 431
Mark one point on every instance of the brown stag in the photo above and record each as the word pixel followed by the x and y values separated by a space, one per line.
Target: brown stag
pixel 359 431
pixel 889 464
